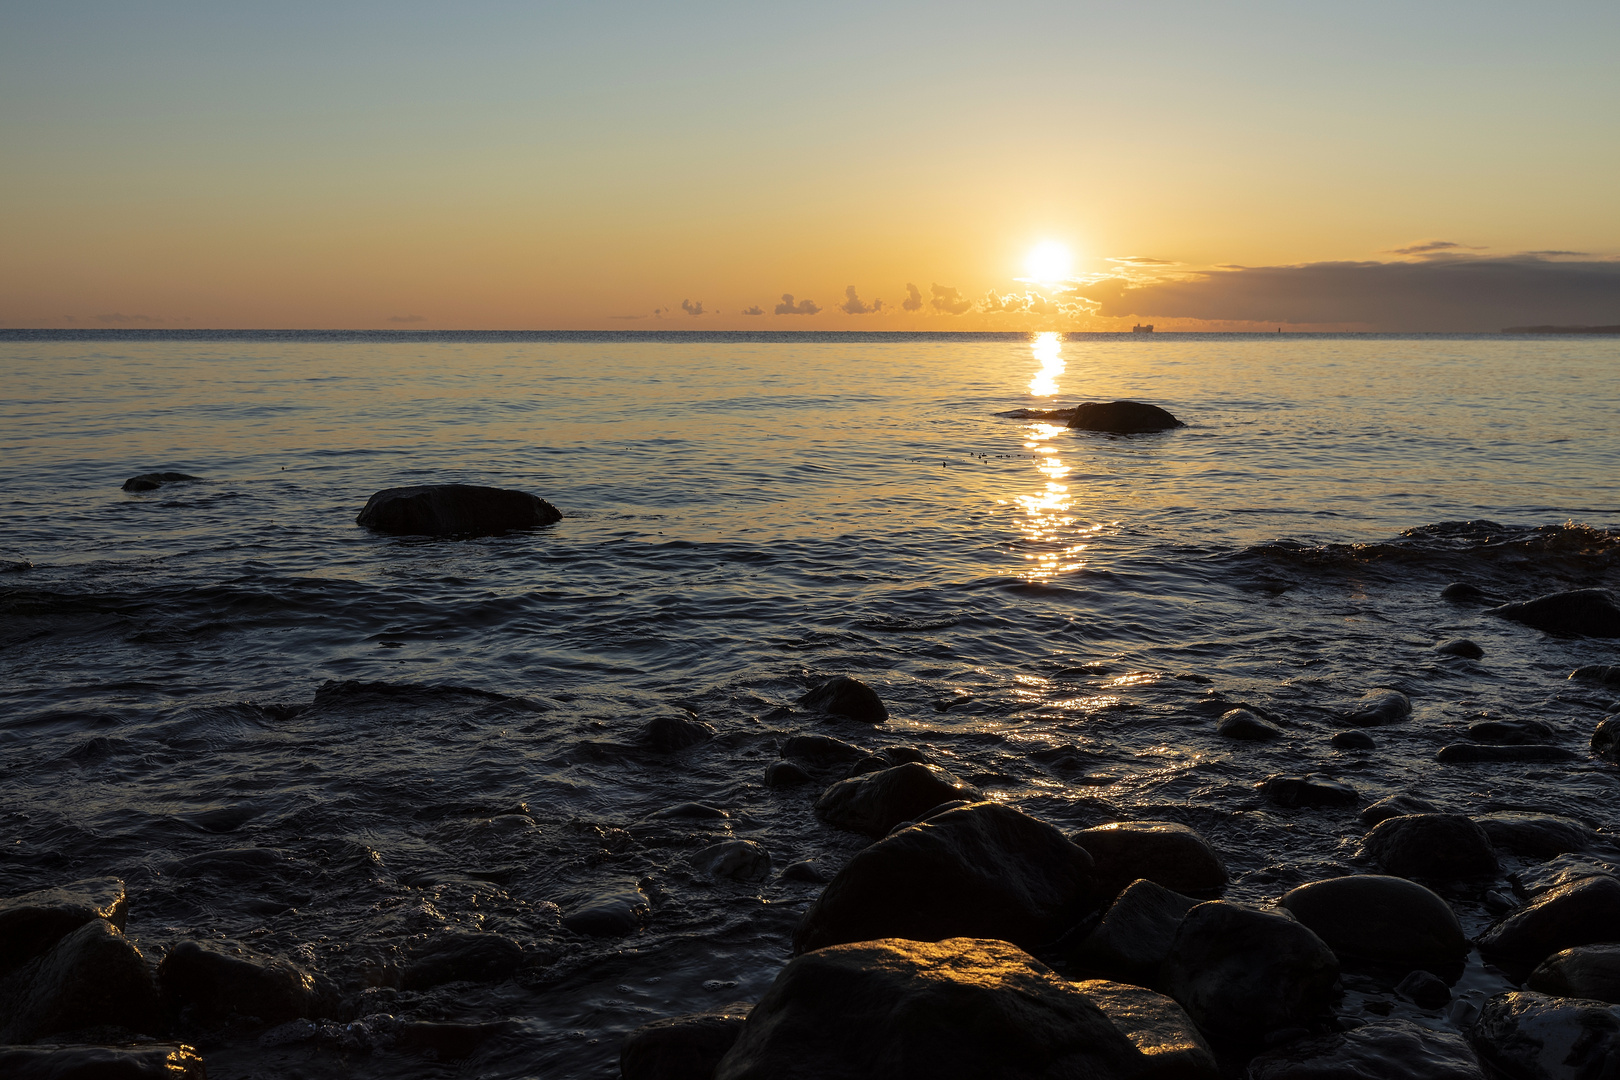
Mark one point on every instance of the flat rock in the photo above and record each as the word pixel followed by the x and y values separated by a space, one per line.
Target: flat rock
pixel 1431 847
pixel 848 697
pixel 960 1009
pixel 1242 972
pixel 1530 1036
pixel 1379 707
pixel 1310 790
pixel 681 1047
pixel 92 978
pixel 454 510
pixel 1558 871
pixel 1121 417
pixel 982 870
pixel 876 802
pixel 1510 732
pixel 1388 921
pixel 33 922
pixel 145 1061
pixel 1536 836
pixel 1386 1050
pixel 462 957
pixel 1133 939
pixel 1586 971
pixel 1244 725
pixel 669 733
pixel 1164 852
pixel 219 979
pixel 1606 739
pixel 1484 754
pixel 151 481
pixel 1461 647
pixel 1396 806
pixel 734 860
pixel 1585 912
pixel 1587 612
pixel 1159 1028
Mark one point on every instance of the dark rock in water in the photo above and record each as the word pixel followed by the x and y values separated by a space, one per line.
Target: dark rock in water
pixel 901 755
pixel 142 1061
pixel 1159 1028
pixel 1529 1036
pixel 1588 612
pixel 1535 836
pixel 462 957
pixel 1243 724
pixel 608 916
pixel 1313 789
pixel 804 870
pixel 869 764
pixel 447 1040
pixel 681 1047
pixel 1606 739
pixel 454 510
pixel 822 752
pixel 1163 852
pixel 1587 971
pixel 669 733
pixel 1388 921
pixel 30 924
pixel 877 802
pixel 1386 1050
pixel 1121 418
pixel 1563 870
pixel 1396 806
pixel 1379 707
pixel 983 870
pixel 689 811
pixel 1585 912
pixel 848 697
pixel 1353 740
pixel 92 978
pixel 1605 675
pixel 933 811
pixel 1431 846
pixel 1243 973
pixel 1424 989
pixel 786 774
pixel 1462 592
pixel 1510 732
pixel 1134 937
pixel 153 480
pixel 734 860
pixel 960 1009
pixel 1468 650
pixel 1487 754
pixel 219 979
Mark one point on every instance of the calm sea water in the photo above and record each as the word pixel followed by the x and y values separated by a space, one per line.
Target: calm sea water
pixel 1057 616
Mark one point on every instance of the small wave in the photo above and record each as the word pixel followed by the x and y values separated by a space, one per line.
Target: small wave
pixel 1457 546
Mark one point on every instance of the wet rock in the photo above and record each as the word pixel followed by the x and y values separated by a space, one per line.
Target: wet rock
pixel 608 916
pixel 1530 1036
pixel 688 811
pixel 1313 789
pixel 900 755
pixel 847 697
pixel 669 733
pixel 871 763
pixel 1159 1028
pixel 1586 971
pixel 803 870
pixel 959 1009
pixel 682 1047
pixel 151 481
pixel 92 978
pixel 1353 740
pixel 1602 674
pixel 1386 1050
pixel 1510 732
pixel 443 1040
pixel 1432 847
pixel 1536 836
pixel 983 870
pixel 1588 612
pixel 145 1061
pixel 1586 912
pixel 1606 739
pixel 1468 650
pixel 33 922
pixel 463 957
pixel 1164 852
pixel 823 752
pixel 1424 989
pixel 734 860
pixel 1484 753
pixel 1243 724
pixel 219 979
pixel 1379 707
pixel 1121 418
pixel 1463 592
pixel 786 774
pixel 454 510
pixel 1396 806
pixel 1243 973
pixel 877 802
pixel 1133 939
pixel 1388 921
pixel 1563 870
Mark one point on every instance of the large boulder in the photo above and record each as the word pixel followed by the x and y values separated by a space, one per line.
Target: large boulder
pixel 1379 707
pixel 219 980
pixel 144 1061
pixel 1164 852
pixel 151 481
pixel 1383 920
pixel 454 510
pixel 1536 836
pixel 1243 972
pixel 1586 971
pixel 1591 612
pixel 1157 1027
pixel 960 1009
pixel 1585 912
pixel 1431 846
pixel 1530 1036
pixel 848 697
pixel 876 802
pixel 682 1047
pixel 1121 417
pixel 982 870
pixel 1386 1050
pixel 92 978
pixel 33 922
pixel 1133 939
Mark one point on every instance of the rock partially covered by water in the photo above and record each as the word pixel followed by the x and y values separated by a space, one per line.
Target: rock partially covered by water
pixel 1586 912
pixel 1245 725
pixel 960 1009
pixel 1164 852
pixel 454 510
pixel 33 922
pixel 876 802
pixel 983 870
pixel 1586 971
pixel 1510 732
pixel 1312 789
pixel 1484 753
pixel 219 979
pixel 1134 937
pixel 151 481
pixel 848 697
pixel 1121 417
pixel 1353 739
pixel 145 1061
pixel 1384 920
pixel 668 733
pixel 1588 612
pixel 823 753
pixel 1562 870
pixel 1243 972
pixel 1536 836
pixel 1159 1028
pixel 462 957
pixel 1530 1036
pixel 1606 739
pixel 613 915
pixel 1461 647
pixel 1386 1050
pixel 1602 674
pixel 1431 846
pixel 1396 806
pixel 1379 707
pixel 92 978
pixel 681 1047
pixel 734 860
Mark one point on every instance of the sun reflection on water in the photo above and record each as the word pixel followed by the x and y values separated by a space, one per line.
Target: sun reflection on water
pixel 1051 531
pixel 1049 353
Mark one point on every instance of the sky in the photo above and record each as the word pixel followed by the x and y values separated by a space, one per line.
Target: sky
pixel 504 165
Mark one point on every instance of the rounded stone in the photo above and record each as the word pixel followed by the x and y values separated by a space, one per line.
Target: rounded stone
pixel 1431 846
pixel 1383 920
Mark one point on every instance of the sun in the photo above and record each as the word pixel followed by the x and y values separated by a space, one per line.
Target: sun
pixel 1049 262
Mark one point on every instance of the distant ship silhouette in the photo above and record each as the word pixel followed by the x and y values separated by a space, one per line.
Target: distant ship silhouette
pixel 1140 329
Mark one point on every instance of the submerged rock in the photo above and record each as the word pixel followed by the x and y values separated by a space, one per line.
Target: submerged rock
pixel 786 774
pixel 1353 740
pixel 1245 725
pixel 33 922
pixel 983 870
pixel 1536 836
pixel 1386 1050
pixel 1313 789
pixel 1383 920
pixel 1164 852
pixel 670 733
pixel 143 1061
pixel 1602 674
pixel 92 978
pixel 735 860
pixel 1379 707
pixel 1484 753
pixel 609 916
pixel 1431 846
pixel 1510 732
pixel 220 979
pixel 960 1009
pixel 1121 418
pixel 153 480
pixel 1562 870
pixel 1606 739
pixel 1159 1028
pixel 1464 593
pixel 1586 971
pixel 462 957
pixel 1585 912
pixel 1468 650
pixel 845 696
pixel 1588 612
pixel 454 510
pixel 1133 939
pixel 1530 1036
pixel 876 802
pixel 823 752
pixel 1396 806
pixel 681 1047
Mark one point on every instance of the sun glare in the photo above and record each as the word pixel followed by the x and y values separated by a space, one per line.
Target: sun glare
pixel 1049 262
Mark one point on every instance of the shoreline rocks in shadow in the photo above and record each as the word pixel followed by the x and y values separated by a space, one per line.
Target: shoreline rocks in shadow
pixel 153 480
pixel 1108 417
pixel 1578 612
pixel 454 510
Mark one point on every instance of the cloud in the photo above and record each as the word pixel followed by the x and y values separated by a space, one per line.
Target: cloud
pixel 1463 293
pixel 1140 260
pixel 118 318
pixel 1434 247
pixel 1556 254
pixel 692 307
pixel 627 316
pixel 852 304
pixel 407 318
pixel 913 300
pixel 754 310
pixel 803 307
pixel 949 301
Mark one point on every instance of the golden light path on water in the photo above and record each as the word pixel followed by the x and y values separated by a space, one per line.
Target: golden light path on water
pixel 1048 525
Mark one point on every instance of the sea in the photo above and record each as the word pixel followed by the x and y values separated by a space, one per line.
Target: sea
pixel 338 748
